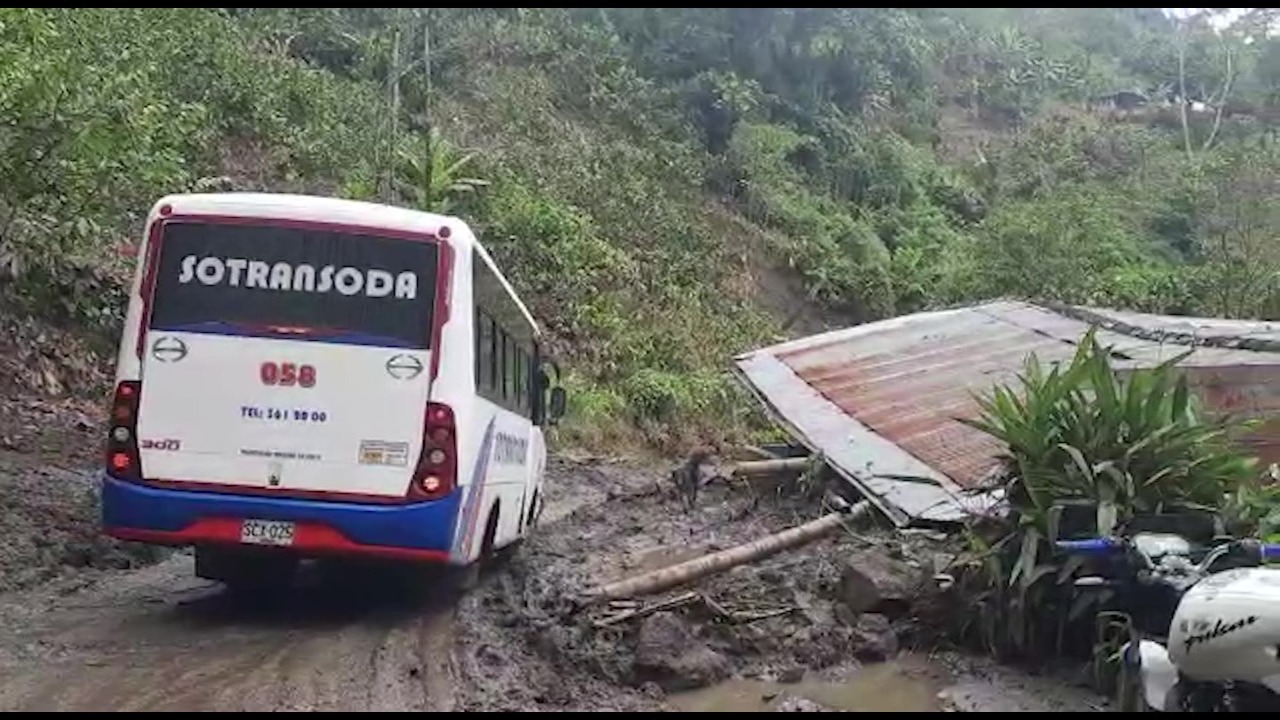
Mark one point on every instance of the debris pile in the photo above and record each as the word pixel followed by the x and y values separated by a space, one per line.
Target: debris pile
pixel 650 593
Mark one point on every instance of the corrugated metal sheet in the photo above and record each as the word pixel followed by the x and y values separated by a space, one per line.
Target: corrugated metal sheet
pixel 882 400
pixel 1202 327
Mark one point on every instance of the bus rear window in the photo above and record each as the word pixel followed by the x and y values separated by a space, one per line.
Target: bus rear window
pixel 269 280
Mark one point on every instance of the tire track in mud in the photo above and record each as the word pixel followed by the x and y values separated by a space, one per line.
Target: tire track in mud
pixel 158 639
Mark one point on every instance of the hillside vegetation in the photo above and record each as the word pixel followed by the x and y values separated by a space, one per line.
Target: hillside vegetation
pixel 670 186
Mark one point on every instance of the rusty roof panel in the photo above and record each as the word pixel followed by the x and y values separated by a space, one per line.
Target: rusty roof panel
pixel 908 379
pixel 910 383
pixel 901 485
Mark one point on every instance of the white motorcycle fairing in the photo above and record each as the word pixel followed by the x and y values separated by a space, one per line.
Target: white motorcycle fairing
pixel 1156 672
pixel 1227 628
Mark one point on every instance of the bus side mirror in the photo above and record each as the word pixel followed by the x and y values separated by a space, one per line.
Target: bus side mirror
pixel 558 401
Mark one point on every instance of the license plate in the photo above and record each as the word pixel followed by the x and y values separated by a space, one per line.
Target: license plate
pixel 267 532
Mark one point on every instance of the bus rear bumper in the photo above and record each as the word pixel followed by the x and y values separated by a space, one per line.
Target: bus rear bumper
pixel 420 532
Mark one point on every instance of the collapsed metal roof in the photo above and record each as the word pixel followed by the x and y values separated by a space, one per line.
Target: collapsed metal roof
pixel 880 400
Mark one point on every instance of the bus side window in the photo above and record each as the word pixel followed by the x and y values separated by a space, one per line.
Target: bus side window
pixel 527 397
pixel 537 387
pixel 517 379
pixel 526 394
pixel 484 355
pixel 506 365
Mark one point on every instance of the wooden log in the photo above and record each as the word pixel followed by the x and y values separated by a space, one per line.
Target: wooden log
pixel 697 568
pixel 770 467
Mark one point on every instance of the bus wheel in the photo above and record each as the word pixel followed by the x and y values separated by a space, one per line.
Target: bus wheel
pixel 534 512
pixel 487 555
pixel 466 577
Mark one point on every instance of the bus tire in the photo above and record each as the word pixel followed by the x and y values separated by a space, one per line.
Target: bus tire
pixel 490 536
pixel 534 511
pixel 464 578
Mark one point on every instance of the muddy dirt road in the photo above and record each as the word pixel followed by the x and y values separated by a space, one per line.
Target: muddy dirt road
pixel 156 639
pixel 95 637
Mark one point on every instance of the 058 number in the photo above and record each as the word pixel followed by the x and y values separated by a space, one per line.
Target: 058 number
pixel 287 374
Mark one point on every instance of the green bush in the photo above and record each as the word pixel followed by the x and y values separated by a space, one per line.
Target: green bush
pixel 108 109
pixel 1132 442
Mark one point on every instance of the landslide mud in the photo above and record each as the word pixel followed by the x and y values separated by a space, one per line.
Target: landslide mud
pixel 116 633
pixel 776 634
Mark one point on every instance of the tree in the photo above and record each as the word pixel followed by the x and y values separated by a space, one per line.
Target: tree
pixel 1238 231
pixel 1216 100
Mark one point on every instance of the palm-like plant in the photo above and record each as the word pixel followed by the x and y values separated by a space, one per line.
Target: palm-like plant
pixel 430 172
pixel 1132 443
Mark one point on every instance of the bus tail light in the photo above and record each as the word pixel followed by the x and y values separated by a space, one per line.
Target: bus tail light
pixel 123 462
pixel 437 472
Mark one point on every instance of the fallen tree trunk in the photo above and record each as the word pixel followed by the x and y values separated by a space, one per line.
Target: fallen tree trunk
pixel 770 467
pixel 690 570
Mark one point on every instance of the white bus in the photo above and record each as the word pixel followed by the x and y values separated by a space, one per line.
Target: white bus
pixel 304 377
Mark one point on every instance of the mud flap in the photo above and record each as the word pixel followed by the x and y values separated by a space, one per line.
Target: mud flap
pixel 244 568
pixel 464 578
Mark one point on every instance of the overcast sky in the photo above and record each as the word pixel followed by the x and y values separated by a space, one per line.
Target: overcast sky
pixel 1218 21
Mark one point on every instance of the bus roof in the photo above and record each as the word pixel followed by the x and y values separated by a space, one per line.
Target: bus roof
pixel 339 211
pixel 312 208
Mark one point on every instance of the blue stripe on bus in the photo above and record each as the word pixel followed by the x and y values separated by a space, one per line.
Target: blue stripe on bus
pixel 421 526
pixel 340 338
pixel 467 519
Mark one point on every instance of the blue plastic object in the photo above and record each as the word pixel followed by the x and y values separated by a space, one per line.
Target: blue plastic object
pixel 1270 551
pixel 1091 546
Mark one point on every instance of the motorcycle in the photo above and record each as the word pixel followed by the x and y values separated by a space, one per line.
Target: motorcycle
pixel 1203 636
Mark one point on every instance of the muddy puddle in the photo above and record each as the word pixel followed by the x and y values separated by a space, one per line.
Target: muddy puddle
pixel 886 687
pixel 908 683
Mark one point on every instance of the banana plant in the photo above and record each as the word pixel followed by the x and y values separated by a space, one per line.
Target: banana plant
pixel 431 173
